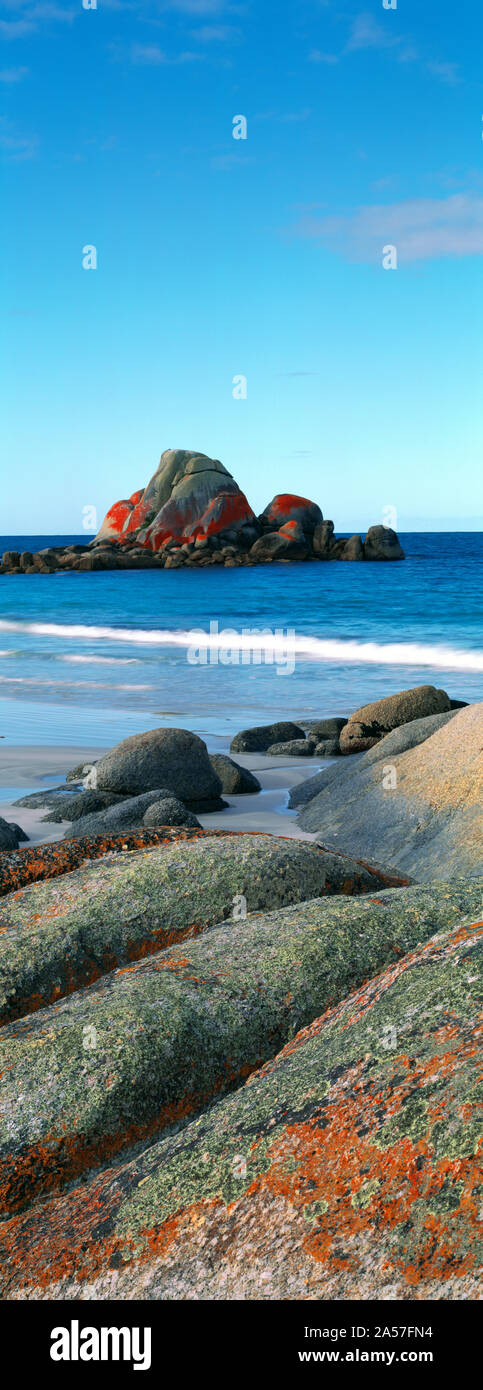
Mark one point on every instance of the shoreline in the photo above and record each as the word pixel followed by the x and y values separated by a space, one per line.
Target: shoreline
pixel 26 768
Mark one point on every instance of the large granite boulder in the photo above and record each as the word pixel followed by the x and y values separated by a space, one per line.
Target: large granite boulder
pixel 118 516
pixel 287 506
pixel 235 780
pixel 371 722
pixel 171 758
pixel 418 812
pixel 178 1029
pixel 407 736
pixel 323 540
pixel 259 738
pixel 382 543
pixel 189 495
pixel 349 549
pixel 113 911
pixel 345 1168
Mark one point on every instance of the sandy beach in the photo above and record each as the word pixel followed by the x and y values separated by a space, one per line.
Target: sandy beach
pixel 24 769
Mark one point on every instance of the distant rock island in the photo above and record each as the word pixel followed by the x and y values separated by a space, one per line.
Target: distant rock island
pixel 193 513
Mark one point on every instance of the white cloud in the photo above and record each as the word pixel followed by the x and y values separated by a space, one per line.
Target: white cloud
pixel 420 228
pixel 366 32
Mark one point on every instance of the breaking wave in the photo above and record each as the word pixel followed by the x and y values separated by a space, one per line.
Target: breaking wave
pixel 318 649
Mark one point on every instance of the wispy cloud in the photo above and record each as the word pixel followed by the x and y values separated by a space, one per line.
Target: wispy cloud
pixel 420 228
pixel 216 33
pixel 150 55
pixel 16 28
pixel 317 56
pixel 367 32
pixel 14 146
pixel 199 7
pixel 33 16
pixel 447 72
pixel 13 74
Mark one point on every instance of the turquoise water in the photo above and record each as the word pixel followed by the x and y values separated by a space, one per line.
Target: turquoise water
pixel 90 658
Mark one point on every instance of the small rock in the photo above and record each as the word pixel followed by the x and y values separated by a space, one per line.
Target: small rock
pixel 261 736
pixel 295 748
pixel 169 811
pixel 234 779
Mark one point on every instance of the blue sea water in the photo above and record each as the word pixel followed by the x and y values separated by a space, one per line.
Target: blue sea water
pixel 90 658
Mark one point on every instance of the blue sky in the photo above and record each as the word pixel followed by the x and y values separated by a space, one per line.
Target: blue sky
pixel 260 257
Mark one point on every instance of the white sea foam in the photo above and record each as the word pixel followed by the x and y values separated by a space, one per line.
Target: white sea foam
pixel 336 650
pixel 102 660
pixel 72 685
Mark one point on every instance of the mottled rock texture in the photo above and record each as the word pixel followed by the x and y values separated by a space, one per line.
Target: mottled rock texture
pixel 235 780
pixel 169 811
pixel 126 812
pixel 58 936
pixel 371 722
pixel 189 495
pixel 407 736
pixel 259 738
pixel 382 543
pixel 294 748
pixel 287 506
pixel 348 1167
pixel 149 1045
pixel 171 758
pixel 418 812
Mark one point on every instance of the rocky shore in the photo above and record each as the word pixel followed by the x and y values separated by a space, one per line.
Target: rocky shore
pixel 191 514
pixel 240 1065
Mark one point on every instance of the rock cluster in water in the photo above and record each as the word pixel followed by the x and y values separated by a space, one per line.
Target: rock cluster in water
pixel 192 513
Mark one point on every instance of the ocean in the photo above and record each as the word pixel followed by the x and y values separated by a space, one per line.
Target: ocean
pixel 90 658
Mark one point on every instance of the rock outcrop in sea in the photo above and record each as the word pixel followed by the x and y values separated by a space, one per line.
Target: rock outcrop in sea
pixel 192 513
